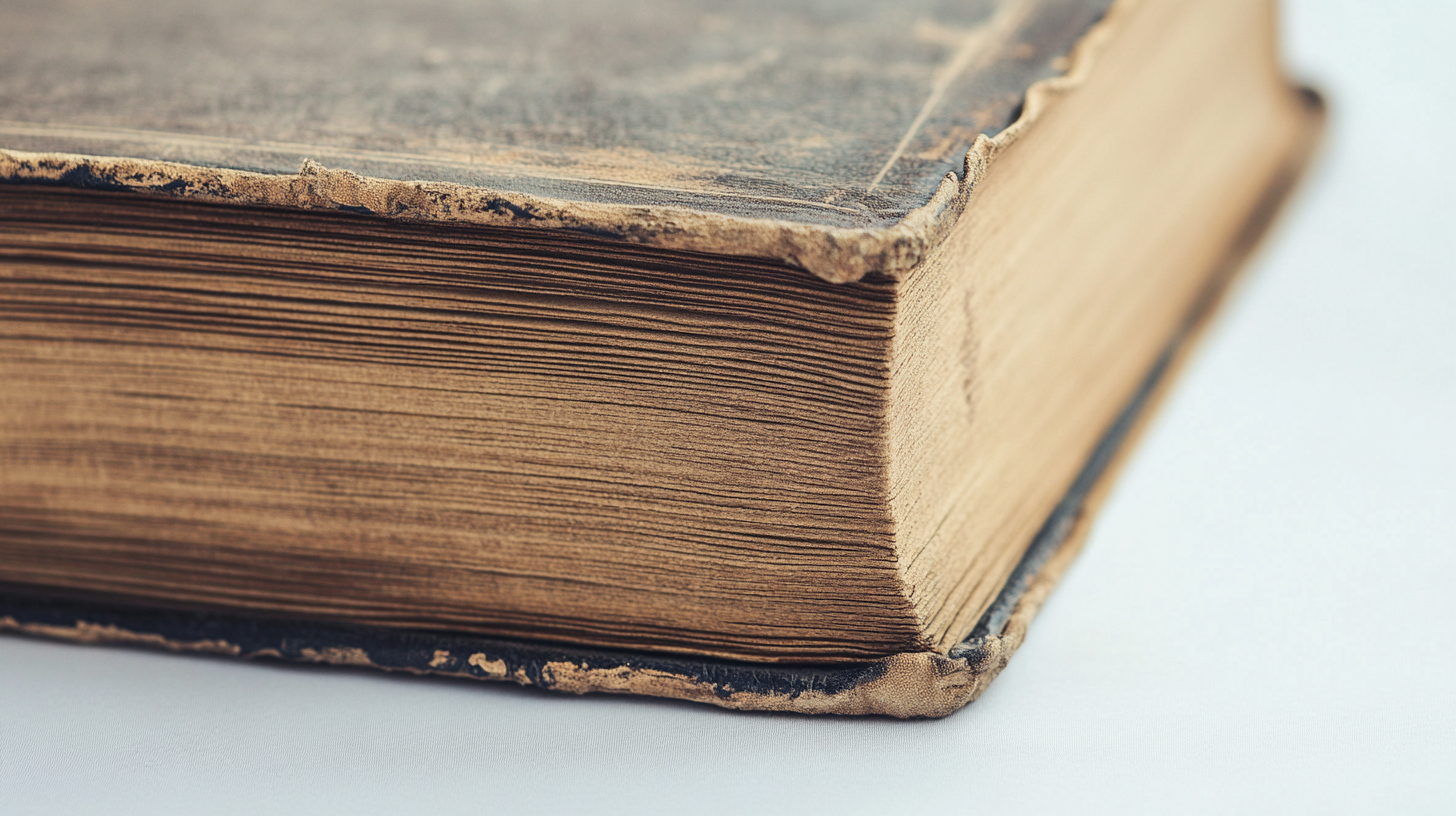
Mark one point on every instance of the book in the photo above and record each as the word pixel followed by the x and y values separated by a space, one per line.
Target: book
pixel 773 356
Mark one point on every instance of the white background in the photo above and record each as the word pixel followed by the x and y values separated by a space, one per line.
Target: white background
pixel 1262 621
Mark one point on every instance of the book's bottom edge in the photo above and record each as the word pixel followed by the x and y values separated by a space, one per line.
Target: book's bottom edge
pixel 912 684
pixel 902 685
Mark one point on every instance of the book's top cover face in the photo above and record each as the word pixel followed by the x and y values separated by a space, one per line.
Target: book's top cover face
pixel 828 114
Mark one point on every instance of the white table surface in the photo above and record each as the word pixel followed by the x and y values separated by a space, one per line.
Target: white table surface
pixel 1262 621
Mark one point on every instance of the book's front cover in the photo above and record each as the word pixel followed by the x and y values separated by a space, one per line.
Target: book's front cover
pixel 849 115
pixel 840 140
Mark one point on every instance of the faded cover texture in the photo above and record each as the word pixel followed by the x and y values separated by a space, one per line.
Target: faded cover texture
pixel 831 136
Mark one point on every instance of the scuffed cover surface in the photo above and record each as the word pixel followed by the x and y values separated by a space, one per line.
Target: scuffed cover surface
pixel 846 114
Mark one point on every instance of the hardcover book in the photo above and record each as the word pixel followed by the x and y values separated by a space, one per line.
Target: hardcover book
pixel 769 355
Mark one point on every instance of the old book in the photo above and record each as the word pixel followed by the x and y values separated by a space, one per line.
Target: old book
pixel 770 355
